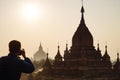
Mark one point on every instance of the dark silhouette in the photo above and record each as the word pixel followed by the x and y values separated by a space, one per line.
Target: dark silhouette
pixel 82 61
pixel 12 66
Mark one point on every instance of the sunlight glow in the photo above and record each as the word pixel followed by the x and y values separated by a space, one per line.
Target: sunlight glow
pixel 32 11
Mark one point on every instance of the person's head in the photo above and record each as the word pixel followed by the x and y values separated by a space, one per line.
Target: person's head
pixel 14 46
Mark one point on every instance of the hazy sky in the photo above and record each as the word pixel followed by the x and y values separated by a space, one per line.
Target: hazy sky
pixel 55 21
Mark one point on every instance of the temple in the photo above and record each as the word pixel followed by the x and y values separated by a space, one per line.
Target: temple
pixel 82 61
pixel 40 54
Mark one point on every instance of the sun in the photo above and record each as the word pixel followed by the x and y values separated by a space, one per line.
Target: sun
pixel 31 11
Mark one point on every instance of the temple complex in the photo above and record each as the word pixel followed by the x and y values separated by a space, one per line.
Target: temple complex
pixel 82 61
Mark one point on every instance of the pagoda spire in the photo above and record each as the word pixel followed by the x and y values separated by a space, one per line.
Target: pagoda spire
pixel 66 47
pixel 82 36
pixel 47 55
pixel 118 57
pixel 58 57
pixel 47 63
pixel 40 47
pixel 106 55
pixel 98 48
pixel 82 11
pixel 98 51
pixel 66 53
pixel 106 50
pixel 82 2
pixel 58 49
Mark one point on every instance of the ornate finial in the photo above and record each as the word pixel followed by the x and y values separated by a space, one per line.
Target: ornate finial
pixel 40 47
pixel 118 56
pixel 58 47
pixel 98 47
pixel 47 55
pixel 106 47
pixel 106 50
pixel 82 17
pixel 82 2
pixel 66 46
pixel 82 9
pixel 47 52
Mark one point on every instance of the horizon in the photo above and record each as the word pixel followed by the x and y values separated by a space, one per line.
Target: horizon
pixel 55 23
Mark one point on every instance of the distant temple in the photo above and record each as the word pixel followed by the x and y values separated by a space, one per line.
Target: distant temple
pixel 82 61
pixel 40 54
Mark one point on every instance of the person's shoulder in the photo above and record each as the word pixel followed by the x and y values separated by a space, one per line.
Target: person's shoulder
pixel 4 57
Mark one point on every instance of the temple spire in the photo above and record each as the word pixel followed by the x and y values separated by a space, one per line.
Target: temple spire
pixel 58 46
pixel 58 49
pixel 118 57
pixel 58 56
pixel 82 2
pixel 82 11
pixel 106 56
pixel 47 55
pixel 40 47
pixel 82 36
pixel 47 63
pixel 66 46
pixel 98 49
pixel 106 50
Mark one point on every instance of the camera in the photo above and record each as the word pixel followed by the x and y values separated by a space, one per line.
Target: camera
pixel 20 52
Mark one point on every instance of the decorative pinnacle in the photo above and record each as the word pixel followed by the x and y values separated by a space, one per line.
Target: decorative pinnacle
pixel 82 9
pixel 58 47
pixel 66 46
pixel 82 2
pixel 118 57
pixel 106 47
pixel 98 47
pixel 40 47
pixel 47 54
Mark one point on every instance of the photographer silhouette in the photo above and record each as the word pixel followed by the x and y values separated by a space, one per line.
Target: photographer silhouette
pixel 12 66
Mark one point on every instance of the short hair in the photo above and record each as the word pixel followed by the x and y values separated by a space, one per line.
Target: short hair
pixel 14 46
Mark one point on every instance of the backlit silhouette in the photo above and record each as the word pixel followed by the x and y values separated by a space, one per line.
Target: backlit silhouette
pixel 12 66
pixel 82 61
